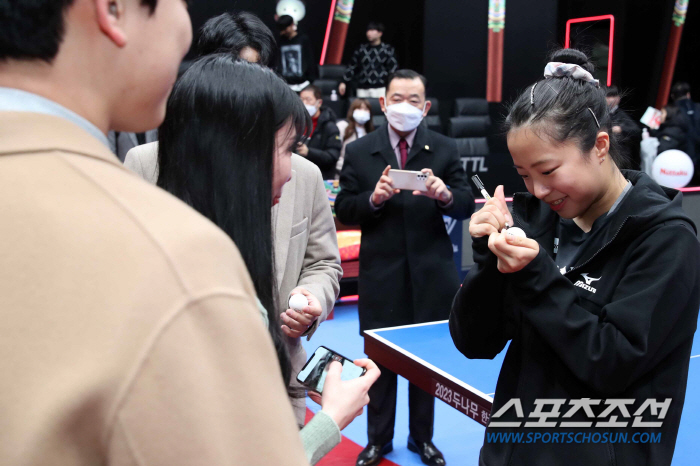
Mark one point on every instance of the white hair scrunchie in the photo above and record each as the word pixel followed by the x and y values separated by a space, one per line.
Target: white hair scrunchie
pixel 560 70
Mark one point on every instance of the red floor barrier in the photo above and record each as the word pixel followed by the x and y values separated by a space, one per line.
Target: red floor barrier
pixel 345 454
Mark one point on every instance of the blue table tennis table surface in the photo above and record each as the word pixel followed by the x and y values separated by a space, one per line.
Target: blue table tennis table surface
pixel 432 343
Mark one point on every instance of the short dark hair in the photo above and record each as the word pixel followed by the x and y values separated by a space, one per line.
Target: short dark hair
pixel 315 89
pixel 34 30
pixel 406 74
pixel 233 32
pixel 284 22
pixel 680 90
pixel 612 91
pixel 376 26
pixel 566 109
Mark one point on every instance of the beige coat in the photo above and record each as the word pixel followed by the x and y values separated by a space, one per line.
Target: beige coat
pixel 130 333
pixel 305 242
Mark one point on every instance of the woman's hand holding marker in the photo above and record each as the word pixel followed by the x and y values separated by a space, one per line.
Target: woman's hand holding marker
pixel 492 218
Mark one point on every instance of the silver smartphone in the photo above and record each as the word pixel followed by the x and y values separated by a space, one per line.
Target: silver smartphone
pixel 407 179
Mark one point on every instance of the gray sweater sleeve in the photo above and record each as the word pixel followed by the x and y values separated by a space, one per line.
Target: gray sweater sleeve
pixel 319 437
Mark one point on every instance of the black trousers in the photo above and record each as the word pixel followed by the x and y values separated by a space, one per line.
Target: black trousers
pixel 381 411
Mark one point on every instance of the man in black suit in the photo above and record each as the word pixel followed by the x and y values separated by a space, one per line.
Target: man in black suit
pixel 407 271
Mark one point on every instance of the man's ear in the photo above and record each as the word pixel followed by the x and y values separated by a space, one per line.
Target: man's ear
pixel 320 103
pixel 382 104
pixel 428 104
pixel 109 17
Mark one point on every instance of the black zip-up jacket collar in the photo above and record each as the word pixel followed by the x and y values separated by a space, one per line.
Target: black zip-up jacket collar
pixel 620 325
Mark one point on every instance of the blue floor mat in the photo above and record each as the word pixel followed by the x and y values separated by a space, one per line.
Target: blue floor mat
pixel 457 436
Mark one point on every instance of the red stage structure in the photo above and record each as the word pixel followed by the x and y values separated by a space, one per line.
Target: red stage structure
pixel 494 69
pixel 336 31
pixel 611 40
pixel 674 41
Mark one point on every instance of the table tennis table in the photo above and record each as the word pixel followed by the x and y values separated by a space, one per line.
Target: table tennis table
pixel 425 355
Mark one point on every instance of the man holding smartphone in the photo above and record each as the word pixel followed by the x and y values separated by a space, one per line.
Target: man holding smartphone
pixel 407 271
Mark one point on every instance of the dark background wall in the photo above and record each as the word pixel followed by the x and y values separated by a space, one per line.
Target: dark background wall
pixel 457 39
pixel 641 35
pixel 403 21
pixel 447 41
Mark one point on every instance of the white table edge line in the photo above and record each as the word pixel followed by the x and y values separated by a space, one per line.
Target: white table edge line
pixel 435 369
pixel 424 324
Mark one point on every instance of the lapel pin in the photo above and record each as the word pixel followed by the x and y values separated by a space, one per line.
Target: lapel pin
pixel 427 147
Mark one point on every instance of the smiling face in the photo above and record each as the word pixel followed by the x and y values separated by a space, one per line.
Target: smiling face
pixel 575 185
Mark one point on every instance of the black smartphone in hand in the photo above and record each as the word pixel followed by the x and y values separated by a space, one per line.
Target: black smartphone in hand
pixel 313 374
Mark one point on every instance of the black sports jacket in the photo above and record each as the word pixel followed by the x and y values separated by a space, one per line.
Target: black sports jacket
pixel 618 326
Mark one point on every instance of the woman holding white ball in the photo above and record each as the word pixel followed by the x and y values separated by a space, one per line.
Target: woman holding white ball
pixel 599 302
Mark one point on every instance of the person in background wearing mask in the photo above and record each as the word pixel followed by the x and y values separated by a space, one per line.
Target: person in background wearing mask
pixel 626 131
pixel 296 64
pixel 323 148
pixel 357 124
pixel 407 271
pixel 371 65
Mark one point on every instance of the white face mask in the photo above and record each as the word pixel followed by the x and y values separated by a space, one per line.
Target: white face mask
pixel 311 109
pixel 404 116
pixel 360 116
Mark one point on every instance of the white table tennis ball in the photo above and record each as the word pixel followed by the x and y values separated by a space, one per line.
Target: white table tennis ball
pixel 298 302
pixel 515 231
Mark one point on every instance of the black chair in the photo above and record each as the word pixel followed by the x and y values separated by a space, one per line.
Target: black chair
pixel 327 86
pixel 468 126
pixel 434 106
pixel 374 105
pixel 334 72
pixel 471 106
pixel 472 146
pixel 378 120
pixel 433 120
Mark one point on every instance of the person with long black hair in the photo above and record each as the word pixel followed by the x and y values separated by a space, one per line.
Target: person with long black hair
pixel 305 244
pixel 599 301
pixel 225 149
